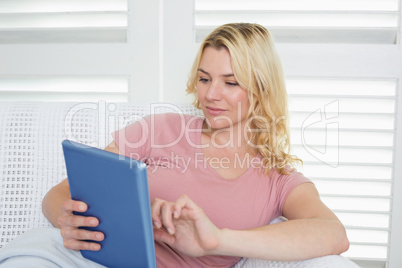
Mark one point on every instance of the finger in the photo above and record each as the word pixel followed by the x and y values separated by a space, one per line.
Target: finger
pixel 182 202
pixel 78 221
pixel 161 236
pixel 73 205
pixel 81 245
pixel 156 212
pixel 167 214
pixel 81 234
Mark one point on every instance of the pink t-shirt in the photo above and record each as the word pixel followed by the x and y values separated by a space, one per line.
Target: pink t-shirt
pixel 170 145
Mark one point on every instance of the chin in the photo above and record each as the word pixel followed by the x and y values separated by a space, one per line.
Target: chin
pixel 219 124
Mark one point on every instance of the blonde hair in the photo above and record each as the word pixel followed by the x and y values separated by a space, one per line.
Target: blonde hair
pixel 258 69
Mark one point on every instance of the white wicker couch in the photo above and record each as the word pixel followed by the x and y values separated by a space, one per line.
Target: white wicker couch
pixel 31 159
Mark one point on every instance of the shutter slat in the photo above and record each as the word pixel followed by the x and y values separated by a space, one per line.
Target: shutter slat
pixel 343 129
pixel 66 97
pixel 348 164
pixel 364 220
pixel 358 171
pixel 370 97
pixel 45 21
pixel 367 252
pixel 362 212
pixel 349 179
pixel 64 88
pixel 355 188
pixel 367 228
pixel 291 19
pixel 67 83
pixel 346 156
pixel 349 147
pixel 263 11
pixel 347 121
pixel 342 86
pixel 64 35
pixel 350 130
pixel 298 34
pixel 350 5
pixel 369 244
pixel 63 20
pixel 373 22
pixel 40 6
pixel 387 197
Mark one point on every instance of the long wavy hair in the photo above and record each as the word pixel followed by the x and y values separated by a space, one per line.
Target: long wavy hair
pixel 258 69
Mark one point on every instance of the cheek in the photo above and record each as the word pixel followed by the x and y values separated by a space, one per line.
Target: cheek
pixel 245 106
pixel 241 97
pixel 200 91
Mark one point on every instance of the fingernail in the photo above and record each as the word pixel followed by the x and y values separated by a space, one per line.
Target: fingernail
pixel 82 207
pixel 170 231
pixel 176 214
pixel 93 222
pixel 98 236
pixel 157 224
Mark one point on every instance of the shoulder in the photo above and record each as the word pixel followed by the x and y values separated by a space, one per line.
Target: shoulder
pixel 171 127
pixel 285 183
pixel 171 117
pixel 288 179
pixel 176 120
pixel 288 172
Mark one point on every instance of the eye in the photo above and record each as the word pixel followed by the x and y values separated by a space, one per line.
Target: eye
pixel 204 80
pixel 232 84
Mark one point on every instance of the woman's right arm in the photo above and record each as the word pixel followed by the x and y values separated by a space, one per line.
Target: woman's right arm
pixel 58 208
pixel 53 202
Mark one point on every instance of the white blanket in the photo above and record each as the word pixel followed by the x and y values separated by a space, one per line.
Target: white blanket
pixel 43 248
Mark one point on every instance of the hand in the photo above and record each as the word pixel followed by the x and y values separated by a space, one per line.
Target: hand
pixel 73 237
pixel 184 226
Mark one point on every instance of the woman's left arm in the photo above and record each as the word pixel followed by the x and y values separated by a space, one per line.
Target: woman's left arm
pixel 312 230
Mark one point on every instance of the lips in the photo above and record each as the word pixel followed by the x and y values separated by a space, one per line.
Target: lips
pixel 214 110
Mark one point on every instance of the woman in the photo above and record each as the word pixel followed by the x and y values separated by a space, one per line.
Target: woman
pixel 224 177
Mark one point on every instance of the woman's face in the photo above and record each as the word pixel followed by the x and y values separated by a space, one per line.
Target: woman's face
pixel 224 103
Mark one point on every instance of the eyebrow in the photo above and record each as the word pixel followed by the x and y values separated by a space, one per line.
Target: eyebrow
pixel 205 72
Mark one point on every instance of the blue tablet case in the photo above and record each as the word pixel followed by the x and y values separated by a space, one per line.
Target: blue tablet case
pixel 116 191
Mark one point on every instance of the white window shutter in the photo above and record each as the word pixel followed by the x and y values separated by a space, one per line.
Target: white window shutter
pixel 311 21
pixel 64 21
pixel 113 88
pixel 343 130
pixel 82 23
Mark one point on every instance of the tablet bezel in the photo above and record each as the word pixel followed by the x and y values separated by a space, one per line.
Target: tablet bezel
pixel 115 189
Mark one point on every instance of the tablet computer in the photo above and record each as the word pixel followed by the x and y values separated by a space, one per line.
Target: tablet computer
pixel 115 188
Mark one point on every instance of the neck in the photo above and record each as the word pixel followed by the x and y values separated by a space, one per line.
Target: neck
pixel 233 138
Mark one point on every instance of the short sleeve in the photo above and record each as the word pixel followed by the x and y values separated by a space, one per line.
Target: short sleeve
pixel 287 183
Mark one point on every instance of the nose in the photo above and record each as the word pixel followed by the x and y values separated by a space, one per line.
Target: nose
pixel 214 92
